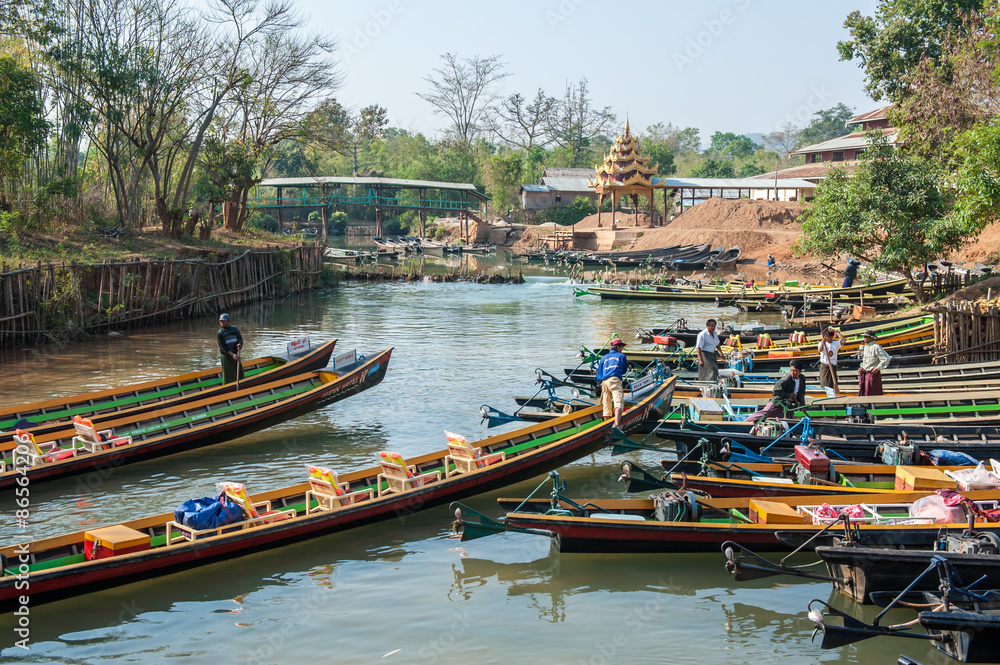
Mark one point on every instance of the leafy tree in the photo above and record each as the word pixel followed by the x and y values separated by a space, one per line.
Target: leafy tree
pixel 891 213
pixel 462 91
pixel 714 168
pixel 680 141
pixel 737 146
pixel 333 127
pixel 827 124
pixel 889 45
pixel 750 170
pixel 955 94
pixel 23 129
pixel 576 124
pixel 503 175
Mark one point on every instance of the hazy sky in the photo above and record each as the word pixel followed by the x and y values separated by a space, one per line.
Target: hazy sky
pixel 719 65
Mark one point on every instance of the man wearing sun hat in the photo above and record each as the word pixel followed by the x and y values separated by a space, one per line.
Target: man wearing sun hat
pixel 610 372
pixel 874 359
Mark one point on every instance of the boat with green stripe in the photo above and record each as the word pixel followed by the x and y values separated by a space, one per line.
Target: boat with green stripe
pixel 712 293
pixel 217 417
pixel 58 567
pixel 973 407
pixel 150 393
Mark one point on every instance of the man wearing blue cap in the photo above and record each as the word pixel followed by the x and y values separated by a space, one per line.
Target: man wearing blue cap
pixel 610 372
pixel 851 273
pixel 230 345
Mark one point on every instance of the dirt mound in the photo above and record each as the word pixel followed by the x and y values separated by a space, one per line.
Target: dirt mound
pixel 758 227
pixel 623 220
pixel 986 248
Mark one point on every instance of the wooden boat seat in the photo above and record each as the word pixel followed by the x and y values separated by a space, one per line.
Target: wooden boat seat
pixel 466 457
pixel 92 439
pixel 400 476
pixel 331 494
pixel 35 452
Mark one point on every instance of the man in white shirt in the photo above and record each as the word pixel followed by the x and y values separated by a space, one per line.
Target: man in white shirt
pixel 706 346
pixel 828 348
pixel 874 359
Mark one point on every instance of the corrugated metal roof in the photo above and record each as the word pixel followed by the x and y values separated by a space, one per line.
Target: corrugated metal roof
pixel 734 183
pixel 877 114
pixel 389 182
pixel 847 142
pixel 559 172
pixel 535 188
pixel 807 171
pixel 568 184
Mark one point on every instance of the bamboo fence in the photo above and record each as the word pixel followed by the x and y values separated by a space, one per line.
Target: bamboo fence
pixel 966 332
pixel 49 300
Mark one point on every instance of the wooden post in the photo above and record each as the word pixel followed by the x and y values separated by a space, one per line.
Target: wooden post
pixel 281 228
pixel 324 213
pixel 422 193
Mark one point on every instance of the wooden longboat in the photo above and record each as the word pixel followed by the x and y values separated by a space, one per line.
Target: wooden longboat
pixel 903 337
pixel 199 422
pixel 630 525
pixel 858 442
pixel 974 406
pixel 689 335
pixel 712 294
pixel 860 571
pixel 56 567
pixel 736 480
pixel 150 393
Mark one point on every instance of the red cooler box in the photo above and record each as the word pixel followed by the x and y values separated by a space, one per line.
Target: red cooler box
pixel 112 541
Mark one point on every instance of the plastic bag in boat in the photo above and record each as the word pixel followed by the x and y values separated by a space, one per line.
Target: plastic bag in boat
pixel 978 478
pixel 951 458
pixel 935 507
pixel 207 513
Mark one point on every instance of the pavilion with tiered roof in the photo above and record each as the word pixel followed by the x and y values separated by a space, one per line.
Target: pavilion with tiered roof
pixel 626 172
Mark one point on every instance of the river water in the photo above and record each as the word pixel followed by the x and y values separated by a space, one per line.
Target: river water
pixel 400 591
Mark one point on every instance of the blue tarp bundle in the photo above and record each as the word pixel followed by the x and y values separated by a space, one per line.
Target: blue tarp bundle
pixel 208 513
pixel 951 458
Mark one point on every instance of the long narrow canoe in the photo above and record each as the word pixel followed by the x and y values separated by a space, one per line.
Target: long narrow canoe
pixel 199 422
pixel 689 335
pixel 256 371
pixel 631 525
pixel 57 567
pixel 971 407
pixel 712 294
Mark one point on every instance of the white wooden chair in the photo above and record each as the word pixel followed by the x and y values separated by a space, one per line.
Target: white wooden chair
pixel 400 476
pixel 92 439
pixel 37 453
pixel 467 458
pixel 331 494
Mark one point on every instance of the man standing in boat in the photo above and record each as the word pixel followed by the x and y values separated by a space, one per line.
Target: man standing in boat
pixel 788 394
pixel 706 346
pixel 850 273
pixel 874 359
pixel 828 348
pixel 230 345
pixel 610 372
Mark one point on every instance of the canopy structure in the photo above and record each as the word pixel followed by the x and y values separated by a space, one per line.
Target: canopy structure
pixel 384 194
pixel 625 172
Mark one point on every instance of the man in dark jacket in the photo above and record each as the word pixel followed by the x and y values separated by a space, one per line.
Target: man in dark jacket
pixel 788 394
pixel 850 273
pixel 230 345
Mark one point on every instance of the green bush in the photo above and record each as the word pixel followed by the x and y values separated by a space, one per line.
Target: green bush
pixel 338 223
pixel 315 217
pixel 263 222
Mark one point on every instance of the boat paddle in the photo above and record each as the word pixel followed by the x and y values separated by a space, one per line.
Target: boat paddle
pixel 239 366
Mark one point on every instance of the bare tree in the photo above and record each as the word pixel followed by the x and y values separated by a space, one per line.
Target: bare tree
pixel 784 140
pixel 523 124
pixel 462 91
pixel 286 75
pixel 574 124
pixel 334 127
